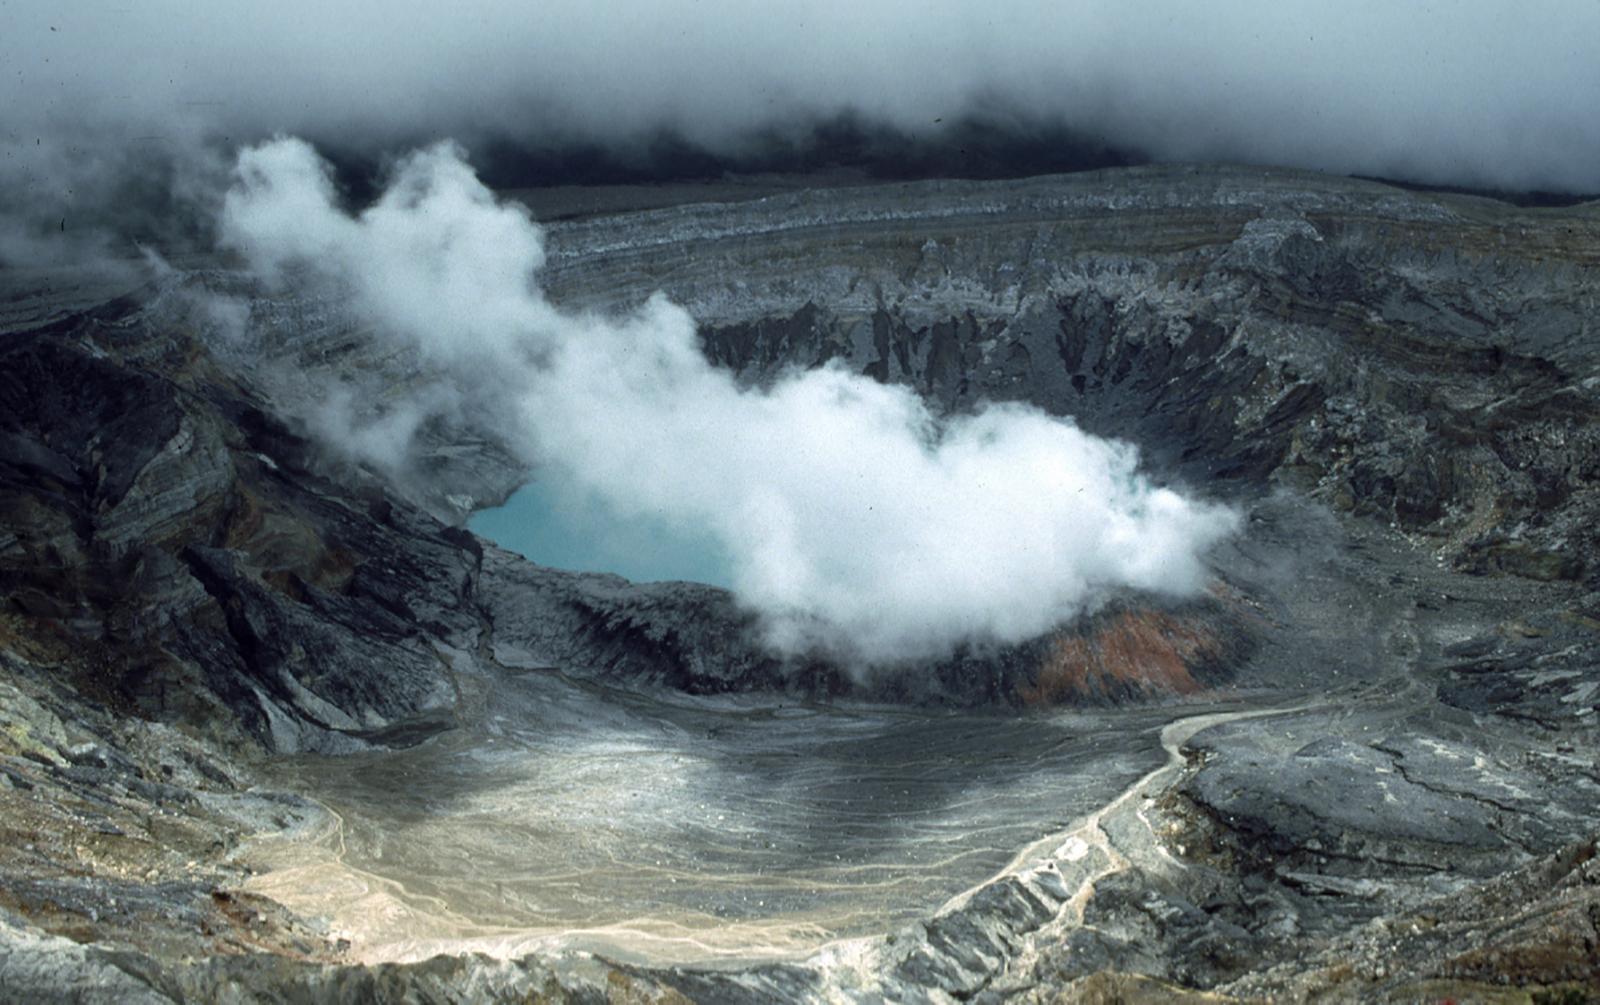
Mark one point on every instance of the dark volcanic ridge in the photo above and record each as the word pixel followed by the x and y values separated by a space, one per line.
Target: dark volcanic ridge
pixel 1399 389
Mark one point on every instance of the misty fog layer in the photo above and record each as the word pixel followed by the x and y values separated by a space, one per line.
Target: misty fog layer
pixel 120 120
pixel 858 523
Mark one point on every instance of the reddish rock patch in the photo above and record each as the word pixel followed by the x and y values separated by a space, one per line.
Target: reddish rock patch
pixel 1133 653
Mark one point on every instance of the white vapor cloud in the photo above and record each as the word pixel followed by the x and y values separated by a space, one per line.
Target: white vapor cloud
pixel 858 523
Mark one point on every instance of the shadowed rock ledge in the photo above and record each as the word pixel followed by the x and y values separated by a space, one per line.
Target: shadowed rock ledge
pixel 1400 388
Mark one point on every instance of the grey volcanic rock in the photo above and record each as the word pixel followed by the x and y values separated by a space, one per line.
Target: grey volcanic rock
pixel 683 635
pixel 1383 730
pixel 1414 798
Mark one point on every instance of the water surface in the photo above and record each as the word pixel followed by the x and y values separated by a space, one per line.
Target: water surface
pixel 553 524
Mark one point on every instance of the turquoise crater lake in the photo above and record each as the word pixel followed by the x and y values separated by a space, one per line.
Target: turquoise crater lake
pixel 552 524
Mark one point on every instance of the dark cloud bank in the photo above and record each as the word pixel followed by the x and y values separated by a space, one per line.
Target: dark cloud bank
pixel 121 119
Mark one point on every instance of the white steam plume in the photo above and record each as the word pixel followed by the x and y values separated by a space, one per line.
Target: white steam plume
pixel 857 521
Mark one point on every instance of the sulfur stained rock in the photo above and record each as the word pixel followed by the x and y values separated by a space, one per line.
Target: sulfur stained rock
pixel 1133 650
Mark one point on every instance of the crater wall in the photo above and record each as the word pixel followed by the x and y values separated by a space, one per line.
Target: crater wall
pixel 1427 360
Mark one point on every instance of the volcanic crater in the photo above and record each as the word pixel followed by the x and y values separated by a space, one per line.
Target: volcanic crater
pixel 276 725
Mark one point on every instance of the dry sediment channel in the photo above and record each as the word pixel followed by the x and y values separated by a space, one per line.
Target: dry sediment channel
pixel 217 640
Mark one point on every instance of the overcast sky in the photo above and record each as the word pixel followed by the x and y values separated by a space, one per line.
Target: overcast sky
pixel 1483 93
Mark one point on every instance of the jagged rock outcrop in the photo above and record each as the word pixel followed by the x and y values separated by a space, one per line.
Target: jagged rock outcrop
pixel 1401 388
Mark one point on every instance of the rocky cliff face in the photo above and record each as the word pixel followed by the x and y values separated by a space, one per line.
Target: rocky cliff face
pixel 1382 778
